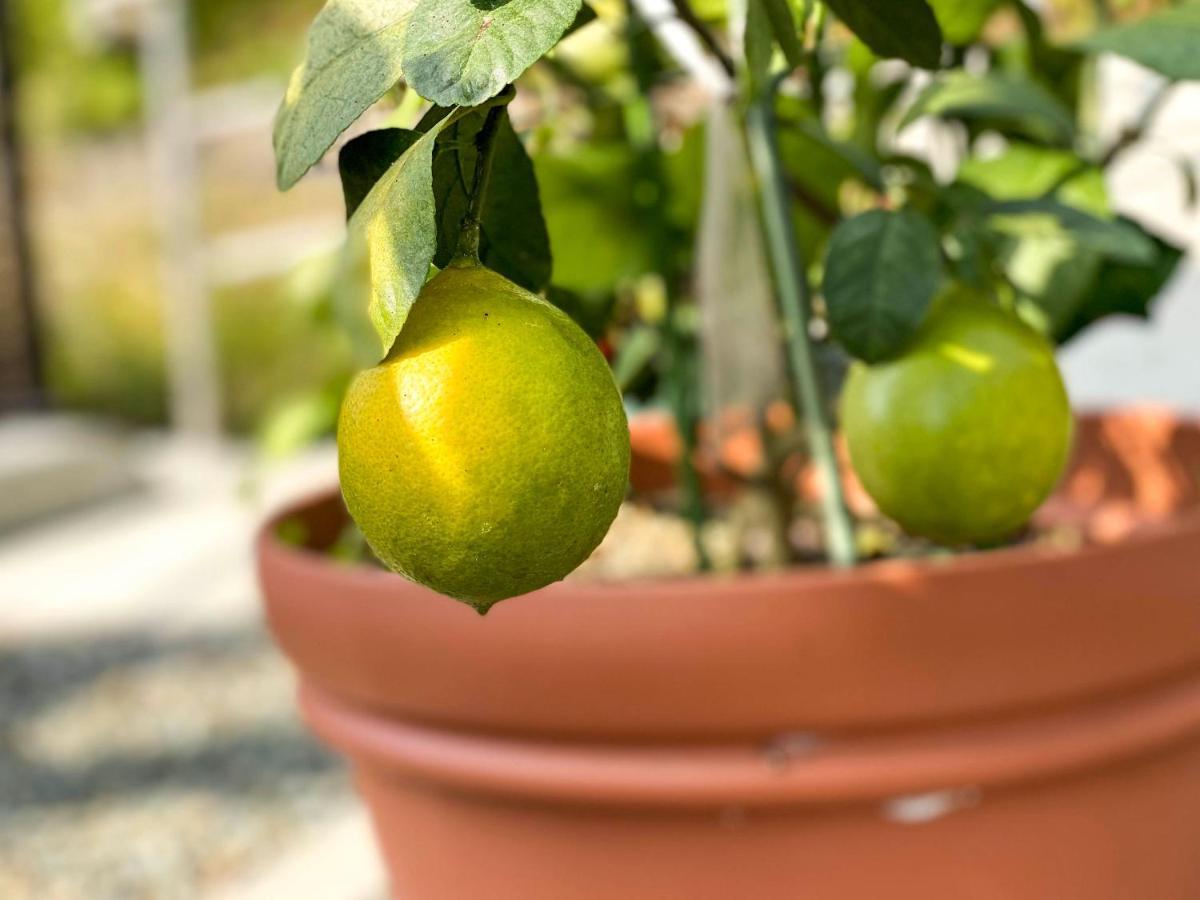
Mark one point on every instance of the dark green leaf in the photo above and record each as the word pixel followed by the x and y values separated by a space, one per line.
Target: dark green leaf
pixel 906 29
pixel 859 162
pixel 1123 289
pixel 354 58
pixel 817 168
pixel 638 350
pixel 591 313
pixel 971 257
pixel 783 24
pixel 366 159
pixel 757 39
pixel 881 273
pixel 595 191
pixel 996 98
pixel 586 16
pixel 461 52
pixel 1165 41
pixel 1060 70
pixel 514 241
pixel 393 237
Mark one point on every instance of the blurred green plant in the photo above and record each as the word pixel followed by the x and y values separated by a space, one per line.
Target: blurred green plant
pixel 283 364
pixel 68 81
pixel 75 80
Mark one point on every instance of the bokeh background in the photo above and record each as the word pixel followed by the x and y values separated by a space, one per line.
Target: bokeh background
pixel 170 369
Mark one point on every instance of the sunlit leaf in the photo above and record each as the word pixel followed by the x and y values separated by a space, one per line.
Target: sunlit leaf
pixel 1114 239
pixel 461 52
pixel 1124 289
pixel 1165 41
pixel 354 58
pixel 513 241
pixel 1021 104
pixel 394 233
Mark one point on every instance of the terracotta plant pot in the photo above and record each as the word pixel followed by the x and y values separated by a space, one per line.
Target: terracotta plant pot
pixel 1020 725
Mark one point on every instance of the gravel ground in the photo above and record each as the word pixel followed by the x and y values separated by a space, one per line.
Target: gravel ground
pixel 138 767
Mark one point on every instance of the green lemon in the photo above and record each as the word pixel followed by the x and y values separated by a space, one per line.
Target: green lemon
pixel 961 437
pixel 488 454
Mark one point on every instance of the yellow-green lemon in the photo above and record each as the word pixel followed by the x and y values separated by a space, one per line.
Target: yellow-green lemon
pixel 962 436
pixel 488 454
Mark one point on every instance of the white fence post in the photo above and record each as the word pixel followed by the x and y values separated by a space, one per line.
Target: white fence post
pixel 191 354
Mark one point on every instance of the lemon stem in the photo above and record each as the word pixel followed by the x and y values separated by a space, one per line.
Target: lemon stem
pixel 792 291
pixel 485 147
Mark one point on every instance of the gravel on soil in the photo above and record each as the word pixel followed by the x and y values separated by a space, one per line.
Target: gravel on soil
pixel 134 766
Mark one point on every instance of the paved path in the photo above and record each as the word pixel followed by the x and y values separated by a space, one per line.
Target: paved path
pixel 149 745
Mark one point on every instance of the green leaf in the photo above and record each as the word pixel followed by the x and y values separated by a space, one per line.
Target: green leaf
pixel 1124 289
pixel 585 16
pixel 461 52
pixel 592 313
pixel 783 25
pixel 996 98
pixel 640 345
pixel 758 39
pixel 1025 172
pixel 366 159
pixel 1117 240
pixel 393 233
pixel 881 273
pixel 817 168
pixel 1052 275
pixel 1165 41
pixel 298 422
pixel 811 137
pixel 963 20
pixel 596 191
pixel 906 29
pixel 514 240
pixel 353 59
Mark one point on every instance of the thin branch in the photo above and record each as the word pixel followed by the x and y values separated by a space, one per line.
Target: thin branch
pixel 811 202
pixel 485 145
pixel 682 44
pixel 1141 127
pixel 687 15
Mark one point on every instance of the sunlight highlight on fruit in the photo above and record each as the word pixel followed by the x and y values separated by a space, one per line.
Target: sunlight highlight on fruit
pixel 488 454
pixel 963 436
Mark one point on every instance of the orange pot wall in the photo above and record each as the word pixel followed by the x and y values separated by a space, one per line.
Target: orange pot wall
pixel 1021 724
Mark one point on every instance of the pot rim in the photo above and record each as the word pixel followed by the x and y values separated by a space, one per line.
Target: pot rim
pixel 800 769
pixel 807 577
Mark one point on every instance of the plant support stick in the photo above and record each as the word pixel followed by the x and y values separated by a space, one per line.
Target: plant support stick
pixel 791 286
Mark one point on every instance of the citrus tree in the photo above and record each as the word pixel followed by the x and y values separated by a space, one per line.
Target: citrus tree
pixel 486 455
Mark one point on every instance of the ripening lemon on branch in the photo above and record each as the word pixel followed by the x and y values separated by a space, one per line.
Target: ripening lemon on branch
pixel 962 436
pixel 488 454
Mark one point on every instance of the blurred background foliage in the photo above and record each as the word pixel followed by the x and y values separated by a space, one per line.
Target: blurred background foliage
pixel 614 131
